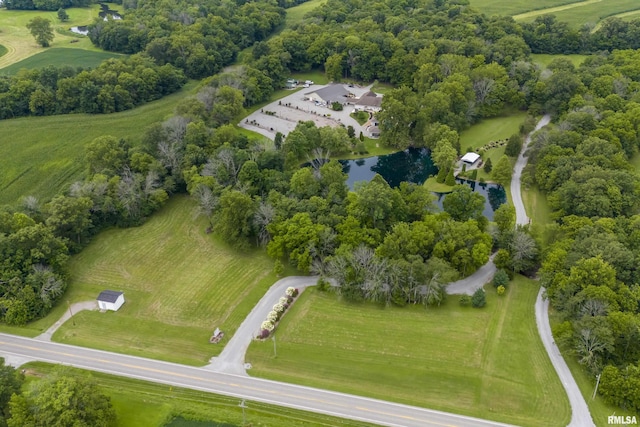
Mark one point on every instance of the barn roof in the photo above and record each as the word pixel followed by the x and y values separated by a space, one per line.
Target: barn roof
pixel 109 296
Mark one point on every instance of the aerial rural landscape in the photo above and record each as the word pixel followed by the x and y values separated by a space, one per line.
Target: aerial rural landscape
pixel 319 213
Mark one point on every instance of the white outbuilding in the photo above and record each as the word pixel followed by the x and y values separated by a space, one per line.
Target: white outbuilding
pixel 470 158
pixel 110 300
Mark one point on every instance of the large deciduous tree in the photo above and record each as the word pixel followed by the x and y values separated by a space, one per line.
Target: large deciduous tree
pixel 62 400
pixel 41 30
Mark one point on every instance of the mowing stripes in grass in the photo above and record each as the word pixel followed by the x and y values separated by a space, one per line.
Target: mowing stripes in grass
pixel 513 7
pixel 487 363
pixel 60 57
pixel 179 283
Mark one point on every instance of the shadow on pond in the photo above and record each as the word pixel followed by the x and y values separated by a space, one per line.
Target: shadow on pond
pixel 415 165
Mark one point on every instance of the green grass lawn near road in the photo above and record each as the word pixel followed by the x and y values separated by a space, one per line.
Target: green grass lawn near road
pixel 60 57
pixel 42 155
pixel 487 363
pixel 514 7
pixel 179 284
pixel 144 404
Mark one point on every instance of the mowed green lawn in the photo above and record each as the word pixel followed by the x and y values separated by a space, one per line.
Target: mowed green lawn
pixel 144 404
pixel 60 57
pixel 487 363
pixel 494 129
pixel 514 7
pixel 580 13
pixel 543 59
pixel 20 43
pixel 179 284
pixel 42 155
pixel 296 14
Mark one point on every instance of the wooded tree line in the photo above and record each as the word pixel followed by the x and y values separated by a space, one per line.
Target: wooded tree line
pixel 199 38
pixel 45 4
pixel 59 399
pixel 582 164
pixel 115 85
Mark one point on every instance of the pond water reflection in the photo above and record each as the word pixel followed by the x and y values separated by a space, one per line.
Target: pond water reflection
pixel 415 165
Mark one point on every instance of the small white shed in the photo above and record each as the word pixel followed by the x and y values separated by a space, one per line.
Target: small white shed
pixel 110 300
pixel 470 158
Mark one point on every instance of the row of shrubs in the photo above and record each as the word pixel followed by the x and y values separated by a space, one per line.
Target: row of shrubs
pixel 274 316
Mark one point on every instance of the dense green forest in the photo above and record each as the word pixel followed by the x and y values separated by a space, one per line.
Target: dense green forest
pixel 451 67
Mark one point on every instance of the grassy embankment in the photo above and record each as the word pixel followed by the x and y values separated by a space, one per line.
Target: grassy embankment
pixel 543 60
pixel 42 155
pixel 179 283
pixel 144 404
pixel 487 363
pixel 20 44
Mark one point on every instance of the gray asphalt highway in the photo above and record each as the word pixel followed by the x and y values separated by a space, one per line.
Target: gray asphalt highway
pixel 242 387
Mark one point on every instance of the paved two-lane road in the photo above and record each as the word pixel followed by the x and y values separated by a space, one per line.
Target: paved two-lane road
pixel 298 397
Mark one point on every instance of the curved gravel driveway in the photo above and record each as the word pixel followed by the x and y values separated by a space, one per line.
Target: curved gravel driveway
pixel 231 360
pixel 580 416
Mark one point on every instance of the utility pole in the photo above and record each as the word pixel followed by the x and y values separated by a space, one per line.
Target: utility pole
pixel 71 313
pixel 244 419
pixel 273 338
pixel 596 389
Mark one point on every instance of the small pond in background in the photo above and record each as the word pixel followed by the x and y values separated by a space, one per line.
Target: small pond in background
pixel 415 165
pixel 104 13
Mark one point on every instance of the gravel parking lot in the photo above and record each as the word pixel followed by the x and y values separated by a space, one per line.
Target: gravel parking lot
pixel 285 113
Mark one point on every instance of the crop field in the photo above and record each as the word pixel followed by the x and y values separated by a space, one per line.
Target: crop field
pixel 15 36
pixel 179 283
pixel 514 7
pixel 588 11
pixel 487 363
pixel 60 57
pixel 42 155
pixel 144 404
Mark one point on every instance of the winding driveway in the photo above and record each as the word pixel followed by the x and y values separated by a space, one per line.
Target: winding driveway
pixel 73 309
pixel 231 360
pixel 580 416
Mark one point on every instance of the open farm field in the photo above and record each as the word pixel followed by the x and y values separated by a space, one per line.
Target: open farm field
pixel 179 283
pixel 580 13
pixel 494 129
pixel 42 155
pixel 514 7
pixel 487 363
pixel 144 404
pixel 60 57
pixel 20 43
pixel 296 14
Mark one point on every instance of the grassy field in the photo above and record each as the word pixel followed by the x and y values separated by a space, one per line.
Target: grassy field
pixel 544 60
pixel 179 284
pixel 494 129
pixel 580 13
pixel 514 7
pixel 20 44
pixel 144 404
pixel 3 50
pixel 432 185
pixel 295 15
pixel 487 363
pixel 60 57
pixel 42 155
